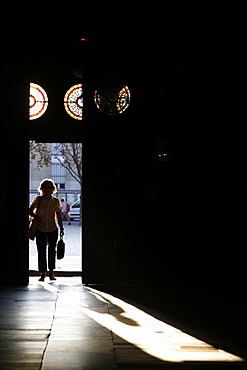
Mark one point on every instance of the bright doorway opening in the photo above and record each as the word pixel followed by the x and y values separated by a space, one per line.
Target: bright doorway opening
pixel 63 163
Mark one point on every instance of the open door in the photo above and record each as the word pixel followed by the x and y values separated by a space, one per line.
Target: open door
pixel 54 160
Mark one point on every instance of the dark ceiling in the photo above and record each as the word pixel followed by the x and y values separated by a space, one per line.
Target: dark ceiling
pixel 189 52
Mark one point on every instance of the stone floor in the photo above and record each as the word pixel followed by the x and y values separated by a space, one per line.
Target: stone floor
pixel 64 325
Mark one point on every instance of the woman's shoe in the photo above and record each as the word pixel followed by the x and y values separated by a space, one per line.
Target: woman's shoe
pixel 51 274
pixel 42 277
pixel 52 277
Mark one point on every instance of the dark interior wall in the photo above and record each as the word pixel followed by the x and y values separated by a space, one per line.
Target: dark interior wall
pixel 14 156
pixel 144 220
pixel 114 195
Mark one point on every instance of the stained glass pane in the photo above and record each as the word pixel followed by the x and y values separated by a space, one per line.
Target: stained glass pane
pixel 38 101
pixel 112 97
pixel 73 101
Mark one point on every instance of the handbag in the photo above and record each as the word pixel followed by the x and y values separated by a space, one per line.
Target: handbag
pixel 33 224
pixel 60 248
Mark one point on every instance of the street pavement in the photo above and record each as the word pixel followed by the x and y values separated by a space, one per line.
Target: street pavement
pixel 73 250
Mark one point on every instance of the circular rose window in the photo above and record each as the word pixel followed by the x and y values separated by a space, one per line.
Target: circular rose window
pixel 73 102
pixel 112 97
pixel 38 101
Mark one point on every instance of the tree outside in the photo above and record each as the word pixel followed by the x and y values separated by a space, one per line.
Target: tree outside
pixel 60 161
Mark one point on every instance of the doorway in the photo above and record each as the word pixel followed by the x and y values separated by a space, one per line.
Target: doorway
pixel 63 163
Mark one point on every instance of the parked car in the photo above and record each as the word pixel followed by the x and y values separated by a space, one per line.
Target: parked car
pixel 75 210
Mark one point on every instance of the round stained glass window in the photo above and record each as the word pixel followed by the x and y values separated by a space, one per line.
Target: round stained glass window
pixel 38 101
pixel 112 97
pixel 73 102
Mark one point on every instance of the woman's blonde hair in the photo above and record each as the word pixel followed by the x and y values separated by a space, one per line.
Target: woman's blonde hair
pixel 47 181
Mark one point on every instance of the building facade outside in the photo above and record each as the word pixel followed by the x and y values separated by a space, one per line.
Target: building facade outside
pixel 67 186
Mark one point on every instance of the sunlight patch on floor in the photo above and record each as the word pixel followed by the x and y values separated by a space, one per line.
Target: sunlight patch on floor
pixel 153 336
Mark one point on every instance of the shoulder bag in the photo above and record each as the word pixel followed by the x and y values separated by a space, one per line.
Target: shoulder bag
pixel 33 224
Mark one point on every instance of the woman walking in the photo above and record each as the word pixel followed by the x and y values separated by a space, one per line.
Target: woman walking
pixel 48 216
